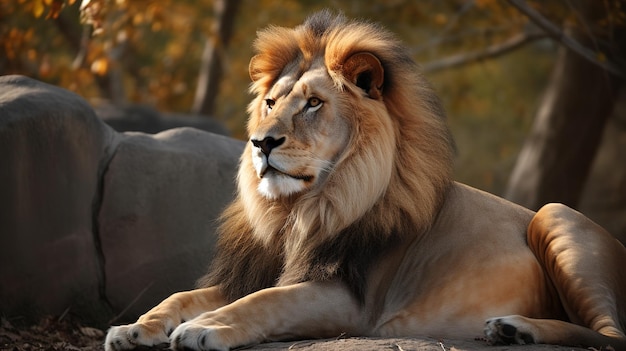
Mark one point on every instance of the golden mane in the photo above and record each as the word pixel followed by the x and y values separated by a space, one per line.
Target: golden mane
pixel 386 188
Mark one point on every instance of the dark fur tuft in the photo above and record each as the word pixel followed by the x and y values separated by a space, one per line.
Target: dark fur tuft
pixel 319 23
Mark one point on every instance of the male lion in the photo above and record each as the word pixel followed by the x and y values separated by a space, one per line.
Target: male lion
pixel 347 221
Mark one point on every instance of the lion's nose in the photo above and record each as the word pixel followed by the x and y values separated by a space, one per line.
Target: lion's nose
pixel 266 145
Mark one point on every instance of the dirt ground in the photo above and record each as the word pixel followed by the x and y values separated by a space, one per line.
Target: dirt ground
pixel 56 334
pixel 50 334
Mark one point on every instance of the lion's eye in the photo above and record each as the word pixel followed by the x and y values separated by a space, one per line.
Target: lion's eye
pixel 270 103
pixel 313 104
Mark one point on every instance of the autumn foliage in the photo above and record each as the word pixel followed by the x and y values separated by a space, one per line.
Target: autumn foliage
pixel 150 52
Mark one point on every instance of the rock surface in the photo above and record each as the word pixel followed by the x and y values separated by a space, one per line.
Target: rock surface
pixel 52 148
pixel 161 196
pixel 100 223
pixel 52 334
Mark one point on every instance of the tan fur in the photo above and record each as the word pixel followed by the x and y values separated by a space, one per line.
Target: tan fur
pixel 347 221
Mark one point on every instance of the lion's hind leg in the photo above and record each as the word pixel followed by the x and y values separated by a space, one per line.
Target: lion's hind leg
pixel 587 268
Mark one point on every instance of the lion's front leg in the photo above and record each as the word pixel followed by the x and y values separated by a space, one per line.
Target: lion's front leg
pixel 154 327
pixel 310 309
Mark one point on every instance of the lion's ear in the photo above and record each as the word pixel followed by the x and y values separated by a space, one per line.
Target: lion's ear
pixel 365 71
pixel 253 69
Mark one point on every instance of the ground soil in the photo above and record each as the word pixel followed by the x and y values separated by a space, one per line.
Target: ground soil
pixel 50 334
pixel 56 334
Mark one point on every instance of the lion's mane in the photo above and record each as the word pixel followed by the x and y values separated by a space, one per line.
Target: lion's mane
pixel 385 189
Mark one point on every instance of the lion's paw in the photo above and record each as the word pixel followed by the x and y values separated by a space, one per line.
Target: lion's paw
pixel 128 337
pixel 508 330
pixel 191 335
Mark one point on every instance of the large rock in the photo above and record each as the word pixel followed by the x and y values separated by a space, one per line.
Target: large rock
pixel 53 149
pixel 162 195
pixel 98 222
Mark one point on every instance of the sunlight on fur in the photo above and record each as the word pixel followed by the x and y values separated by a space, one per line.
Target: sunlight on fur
pixel 347 221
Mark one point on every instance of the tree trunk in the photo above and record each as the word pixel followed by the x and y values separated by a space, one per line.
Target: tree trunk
pixel 211 68
pixel 604 196
pixel 555 160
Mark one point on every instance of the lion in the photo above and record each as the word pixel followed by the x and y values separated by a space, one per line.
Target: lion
pixel 347 222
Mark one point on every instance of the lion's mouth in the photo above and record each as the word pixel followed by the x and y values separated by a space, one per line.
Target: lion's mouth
pixel 273 170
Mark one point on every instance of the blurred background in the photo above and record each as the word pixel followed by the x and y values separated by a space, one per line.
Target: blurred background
pixel 532 88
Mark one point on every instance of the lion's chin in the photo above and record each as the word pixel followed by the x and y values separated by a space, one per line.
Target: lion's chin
pixel 274 185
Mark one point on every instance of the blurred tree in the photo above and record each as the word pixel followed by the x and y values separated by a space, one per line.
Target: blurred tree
pixel 212 66
pixel 557 156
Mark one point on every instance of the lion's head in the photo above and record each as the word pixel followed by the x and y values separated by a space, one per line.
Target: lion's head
pixel 342 125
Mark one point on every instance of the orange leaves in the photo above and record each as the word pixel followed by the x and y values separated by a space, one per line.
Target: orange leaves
pixel 38 8
pixel 53 7
pixel 100 66
pixel 440 19
pixel 93 12
pixel 13 43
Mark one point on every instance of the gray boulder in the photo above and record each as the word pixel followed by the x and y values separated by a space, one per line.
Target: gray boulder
pixel 96 222
pixel 162 195
pixel 52 148
pixel 142 118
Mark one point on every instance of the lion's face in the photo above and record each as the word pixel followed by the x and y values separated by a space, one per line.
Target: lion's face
pixel 298 134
